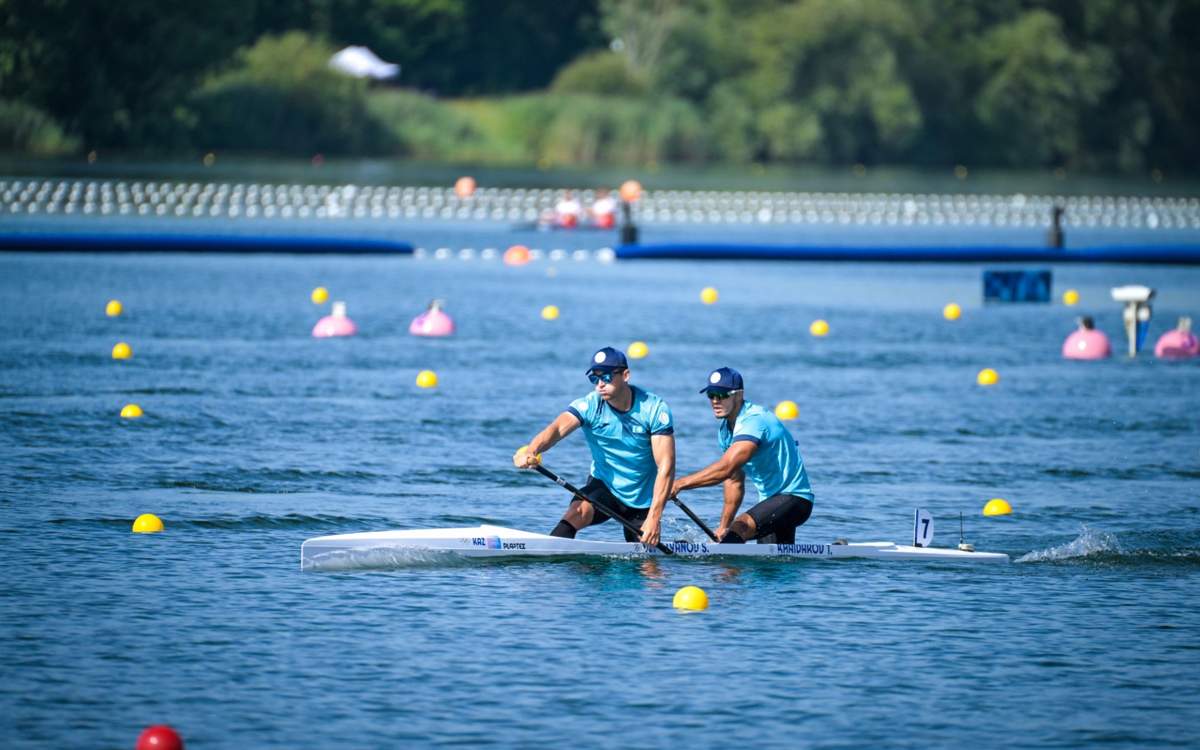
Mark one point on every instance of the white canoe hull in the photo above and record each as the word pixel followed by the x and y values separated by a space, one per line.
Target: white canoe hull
pixel 375 549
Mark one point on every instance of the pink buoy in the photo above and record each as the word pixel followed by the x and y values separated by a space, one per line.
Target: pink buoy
pixel 432 322
pixel 336 324
pixel 1086 342
pixel 1179 343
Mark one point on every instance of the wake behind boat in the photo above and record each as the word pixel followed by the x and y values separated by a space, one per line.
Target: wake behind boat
pixel 386 549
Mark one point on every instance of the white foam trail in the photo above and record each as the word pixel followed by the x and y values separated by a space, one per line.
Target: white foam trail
pixel 383 558
pixel 1089 542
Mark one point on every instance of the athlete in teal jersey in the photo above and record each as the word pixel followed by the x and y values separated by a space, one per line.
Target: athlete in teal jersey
pixel 630 434
pixel 754 444
pixel 775 467
pixel 620 442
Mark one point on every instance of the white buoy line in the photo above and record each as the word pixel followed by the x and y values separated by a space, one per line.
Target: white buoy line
pixel 60 196
pixel 555 255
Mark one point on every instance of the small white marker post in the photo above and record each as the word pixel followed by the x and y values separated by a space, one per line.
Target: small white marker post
pixel 1137 313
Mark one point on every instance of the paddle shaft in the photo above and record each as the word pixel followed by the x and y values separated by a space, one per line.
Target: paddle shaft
pixel 575 491
pixel 695 518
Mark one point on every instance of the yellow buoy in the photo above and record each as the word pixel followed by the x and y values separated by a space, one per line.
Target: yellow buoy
pixel 426 379
pixel 997 507
pixel 122 351
pixel 320 295
pixel 1070 297
pixel 147 523
pixel 550 312
pixel 113 308
pixel 637 350
pixel 131 411
pixel 987 376
pixel 819 328
pixel 952 311
pixel 708 295
pixel 787 410
pixel 690 597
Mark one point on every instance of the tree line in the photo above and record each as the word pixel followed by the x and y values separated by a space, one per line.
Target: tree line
pixel 1094 85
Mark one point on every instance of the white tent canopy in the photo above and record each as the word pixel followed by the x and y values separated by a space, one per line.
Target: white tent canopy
pixel 361 62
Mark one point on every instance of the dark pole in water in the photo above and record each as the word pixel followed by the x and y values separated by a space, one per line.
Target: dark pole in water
pixel 1054 238
pixel 629 230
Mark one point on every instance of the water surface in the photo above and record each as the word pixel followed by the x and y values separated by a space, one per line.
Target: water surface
pixel 257 436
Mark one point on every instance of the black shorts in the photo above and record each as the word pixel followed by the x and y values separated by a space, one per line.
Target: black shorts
pixel 776 518
pixel 599 491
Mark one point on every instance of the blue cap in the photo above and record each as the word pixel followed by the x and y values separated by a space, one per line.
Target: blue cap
pixel 723 379
pixel 608 359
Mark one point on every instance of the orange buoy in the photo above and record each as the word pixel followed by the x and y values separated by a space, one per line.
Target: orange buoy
pixel 465 187
pixel 517 255
pixel 630 191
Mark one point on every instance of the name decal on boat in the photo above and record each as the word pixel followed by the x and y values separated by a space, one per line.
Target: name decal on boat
pixel 495 542
pixel 804 549
pixel 688 548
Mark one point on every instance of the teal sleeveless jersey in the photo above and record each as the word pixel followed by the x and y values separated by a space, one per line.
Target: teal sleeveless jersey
pixel 776 466
pixel 620 442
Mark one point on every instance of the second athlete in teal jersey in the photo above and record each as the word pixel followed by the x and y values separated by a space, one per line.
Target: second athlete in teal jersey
pixel 755 444
pixel 775 467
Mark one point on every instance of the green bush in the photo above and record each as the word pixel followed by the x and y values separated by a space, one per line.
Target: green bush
pixel 282 96
pixel 28 130
pixel 602 73
pixel 585 130
pixel 424 128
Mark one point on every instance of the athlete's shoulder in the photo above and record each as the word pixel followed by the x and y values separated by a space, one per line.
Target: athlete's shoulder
pixel 647 401
pixel 751 412
pixel 753 407
pixel 585 406
pixel 653 410
pixel 753 419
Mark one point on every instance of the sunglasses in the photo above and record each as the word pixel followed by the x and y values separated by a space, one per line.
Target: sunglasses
pixel 719 395
pixel 602 377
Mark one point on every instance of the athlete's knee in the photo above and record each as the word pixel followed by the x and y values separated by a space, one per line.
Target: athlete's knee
pixel 580 514
pixel 732 537
pixel 801 512
pixel 739 531
pixel 744 526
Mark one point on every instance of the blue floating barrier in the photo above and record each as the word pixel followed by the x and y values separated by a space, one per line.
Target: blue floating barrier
pixel 168 242
pixel 1183 254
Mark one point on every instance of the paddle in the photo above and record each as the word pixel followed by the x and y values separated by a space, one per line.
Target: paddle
pixel 695 518
pixel 575 491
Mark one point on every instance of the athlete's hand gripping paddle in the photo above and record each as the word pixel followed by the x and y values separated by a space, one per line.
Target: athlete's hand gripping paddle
pixel 575 491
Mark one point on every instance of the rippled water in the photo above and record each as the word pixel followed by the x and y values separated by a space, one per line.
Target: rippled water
pixel 257 436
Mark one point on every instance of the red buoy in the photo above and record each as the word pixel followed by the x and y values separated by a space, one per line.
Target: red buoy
pixel 159 737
